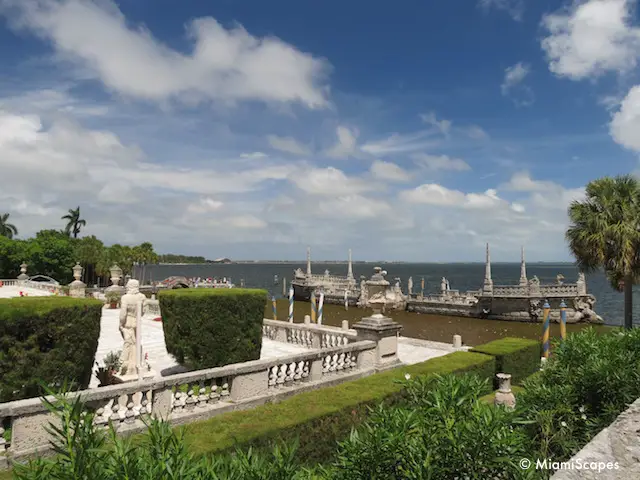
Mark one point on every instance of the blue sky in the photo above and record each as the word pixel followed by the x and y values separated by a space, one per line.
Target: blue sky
pixel 408 131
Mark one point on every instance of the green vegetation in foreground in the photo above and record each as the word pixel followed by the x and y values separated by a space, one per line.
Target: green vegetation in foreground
pixel 46 339
pixel 438 328
pixel 211 327
pixel 320 418
pixel 421 426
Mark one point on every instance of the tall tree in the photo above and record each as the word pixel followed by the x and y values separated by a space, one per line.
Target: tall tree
pixel 605 233
pixel 74 222
pixel 7 229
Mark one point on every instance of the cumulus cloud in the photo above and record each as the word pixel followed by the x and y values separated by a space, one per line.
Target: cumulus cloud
pixel 440 162
pixel 288 145
pixel 329 181
pixel 625 123
pixel 476 133
pixel 513 84
pixel 224 64
pixel 434 194
pixel 591 38
pixel 444 126
pixel 389 171
pixel 346 145
pixel 515 8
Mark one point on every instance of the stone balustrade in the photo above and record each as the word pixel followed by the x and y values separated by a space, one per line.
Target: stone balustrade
pixel 564 290
pixel 151 307
pixel 307 335
pixel 47 287
pixel 10 283
pixel 194 395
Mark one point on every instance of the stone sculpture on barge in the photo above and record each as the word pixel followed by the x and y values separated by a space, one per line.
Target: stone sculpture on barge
pixel 522 302
pixel 337 290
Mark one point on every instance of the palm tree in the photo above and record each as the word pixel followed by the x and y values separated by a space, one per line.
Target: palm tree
pixel 7 229
pixel 605 233
pixel 74 222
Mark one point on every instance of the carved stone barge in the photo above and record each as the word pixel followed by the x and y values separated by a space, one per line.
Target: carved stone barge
pixel 337 290
pixel 522 302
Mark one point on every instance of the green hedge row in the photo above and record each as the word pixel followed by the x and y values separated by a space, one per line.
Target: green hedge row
pixel 207 327
pixel 320 418
pixel 518 356
pixel 46 339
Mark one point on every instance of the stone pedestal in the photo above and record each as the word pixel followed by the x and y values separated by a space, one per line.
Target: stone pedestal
pixel 23 277
pixel 504 395
pixel 384 332
pixel 133 377
pixel 457 341
pixel 77 288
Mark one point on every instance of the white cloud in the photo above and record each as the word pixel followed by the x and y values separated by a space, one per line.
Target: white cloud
pixel 329 181
pixel 522 182
pixel 205 205
pixel 288 145
pixel 515 8
pixel 346 146
pixel 513 84
pixel 591 38
pixel 440 162
pixel 625 123
pixel 253 155
pixel 444 126
pixel 477 133
pixel 389 171
pixel 227 65
pixel 247 222
pixel 434 194
pixel 399 143
pixel 517 207
pixel 354 207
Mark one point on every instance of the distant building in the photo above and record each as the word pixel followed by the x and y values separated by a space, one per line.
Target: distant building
pixel 222 260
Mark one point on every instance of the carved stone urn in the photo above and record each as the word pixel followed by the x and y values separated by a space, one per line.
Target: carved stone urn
pixel 504 395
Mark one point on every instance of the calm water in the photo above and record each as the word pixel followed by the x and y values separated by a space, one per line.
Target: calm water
pixel 462 277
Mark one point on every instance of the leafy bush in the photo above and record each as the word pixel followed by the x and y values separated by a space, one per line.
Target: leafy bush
pixel 207 327
pixel 443 431
pixel 587 383
pixel 84 451
pixel 46 339
pixel 518 356
pixel 320 418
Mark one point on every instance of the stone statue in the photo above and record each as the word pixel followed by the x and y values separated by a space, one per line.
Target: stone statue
pixel 443 285
pixel 128 325
pixel 560 279
pixel 535 311
pixel 448 287
pixel 581 277
pixel 534 281
pixel 410 285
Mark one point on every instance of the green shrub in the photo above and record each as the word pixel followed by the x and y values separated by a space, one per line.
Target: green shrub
pixel 519 357
pixel 46 339
pixel 318 419
pixel 207 327
pixel 85 451
pixel 589 380
pixel 443 431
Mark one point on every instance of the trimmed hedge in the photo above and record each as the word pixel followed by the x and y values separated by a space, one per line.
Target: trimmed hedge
pixel 320 418
pixel 518 356
pixel 212 327
pixel 46 339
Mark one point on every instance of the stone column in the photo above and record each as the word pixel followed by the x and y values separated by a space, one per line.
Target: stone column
pixel 77 288
pixel 384 332
pixel 504 395
pixel 487 287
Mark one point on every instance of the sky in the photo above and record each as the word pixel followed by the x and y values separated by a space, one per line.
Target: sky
pixel 414 130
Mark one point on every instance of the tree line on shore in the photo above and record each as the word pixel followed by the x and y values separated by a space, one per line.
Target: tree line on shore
pixel 55 252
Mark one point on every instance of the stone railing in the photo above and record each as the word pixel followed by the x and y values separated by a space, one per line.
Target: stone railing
pixel 194 395
pixel 47 287
pixel 566 290
pixel 307 335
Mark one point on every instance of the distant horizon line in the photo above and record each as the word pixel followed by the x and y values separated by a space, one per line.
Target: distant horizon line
pixel 355 262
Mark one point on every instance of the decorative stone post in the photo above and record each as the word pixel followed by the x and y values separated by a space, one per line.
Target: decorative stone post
pixel 504 395
pixel 457 341
pixel 116 275
pixel 77 287
pixel 23 277
pixel 345 324
pixel 383 331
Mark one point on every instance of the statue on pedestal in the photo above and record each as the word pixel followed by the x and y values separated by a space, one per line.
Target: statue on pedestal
pixel 128 326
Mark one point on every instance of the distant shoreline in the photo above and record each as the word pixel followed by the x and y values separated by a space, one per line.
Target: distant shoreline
pixel 343 262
